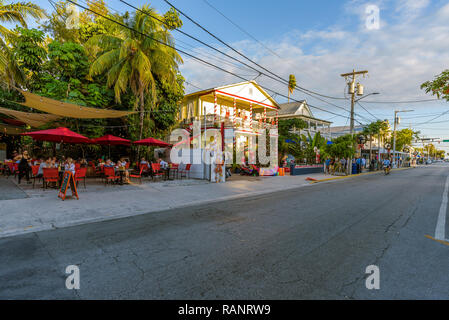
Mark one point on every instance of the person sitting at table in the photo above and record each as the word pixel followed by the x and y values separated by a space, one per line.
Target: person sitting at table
pixel 83 163
pixel 69 166
pixel 109 163
pixel 164 165
pixel 122 164
pixel 44 164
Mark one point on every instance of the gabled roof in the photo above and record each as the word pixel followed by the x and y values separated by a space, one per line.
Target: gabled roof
pixel 295 108
pixel 224 88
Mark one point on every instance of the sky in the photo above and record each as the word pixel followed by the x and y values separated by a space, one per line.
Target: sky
pixel 319 40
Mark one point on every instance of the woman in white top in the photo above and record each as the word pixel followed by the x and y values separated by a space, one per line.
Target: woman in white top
pixel 70 166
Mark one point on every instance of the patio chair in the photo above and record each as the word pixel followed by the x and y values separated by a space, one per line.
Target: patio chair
pixel 138 176
pixel 13 169
pixel 109 175
pixel 185 172
pixel 175 170
pixel 34 173
pixel 80 175
pixel 49 175
pixel 156 167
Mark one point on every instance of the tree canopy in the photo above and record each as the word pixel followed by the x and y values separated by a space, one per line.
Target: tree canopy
pixel 97 63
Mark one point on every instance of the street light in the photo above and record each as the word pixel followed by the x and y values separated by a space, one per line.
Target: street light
pixel 396 121
pixel 369 94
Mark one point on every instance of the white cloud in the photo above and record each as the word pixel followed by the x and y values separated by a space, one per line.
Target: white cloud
pixel 399 58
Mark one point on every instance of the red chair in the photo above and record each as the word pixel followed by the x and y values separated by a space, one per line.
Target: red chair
pixel 13 168
pixel 185 172
pixel 175 169
pixel 109 175
pixel 138 176
pixel 80 175
pixel 34 173
pixel 50 175
pixel 77 165
pixel 156 167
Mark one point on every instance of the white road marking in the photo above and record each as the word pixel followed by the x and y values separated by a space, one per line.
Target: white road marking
pixel 440 231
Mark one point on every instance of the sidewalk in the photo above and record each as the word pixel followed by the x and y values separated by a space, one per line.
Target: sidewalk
pixel 40 210
pixel 43 210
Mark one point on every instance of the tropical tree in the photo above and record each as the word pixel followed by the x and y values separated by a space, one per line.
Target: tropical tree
pixel 439 86
pixel 291 85
pixel 18 12
pixel 309 144
pixel 404 138
pixel 288 141
pixel 341 147
pixel 136 58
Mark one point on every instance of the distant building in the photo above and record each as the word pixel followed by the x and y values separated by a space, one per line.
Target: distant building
pixel 301 110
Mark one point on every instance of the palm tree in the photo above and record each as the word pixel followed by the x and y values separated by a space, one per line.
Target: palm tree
pixel 17 12
pixel 131 60
pixel 291 85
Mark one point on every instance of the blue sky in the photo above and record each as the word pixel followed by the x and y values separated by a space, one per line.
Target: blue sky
pixel 319 40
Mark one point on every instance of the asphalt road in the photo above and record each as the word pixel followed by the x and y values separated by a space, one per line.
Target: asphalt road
pixel 310 243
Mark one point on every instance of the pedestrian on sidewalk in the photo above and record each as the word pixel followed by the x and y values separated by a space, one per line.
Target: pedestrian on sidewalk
pixel 327 164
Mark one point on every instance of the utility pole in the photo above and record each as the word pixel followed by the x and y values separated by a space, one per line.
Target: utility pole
pixel 352 91
pixel 352 85
pixel 396 122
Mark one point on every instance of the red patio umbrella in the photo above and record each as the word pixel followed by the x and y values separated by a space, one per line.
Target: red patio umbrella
pixel 152 142
pixel 111 140
pixel 60 135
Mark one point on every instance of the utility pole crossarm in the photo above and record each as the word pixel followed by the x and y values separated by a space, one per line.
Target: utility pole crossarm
pixel 354 73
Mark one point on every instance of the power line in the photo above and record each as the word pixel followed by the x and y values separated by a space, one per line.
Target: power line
pixel 241 29
pixel 260 73
pixel 244 56
pixel 194 57
pixel 395 102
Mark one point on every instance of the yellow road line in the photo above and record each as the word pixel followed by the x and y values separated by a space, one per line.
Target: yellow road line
pixel 356 175
pixel 437 240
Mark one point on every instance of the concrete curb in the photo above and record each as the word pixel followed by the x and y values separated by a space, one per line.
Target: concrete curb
pixel 47 227
pixel 357 175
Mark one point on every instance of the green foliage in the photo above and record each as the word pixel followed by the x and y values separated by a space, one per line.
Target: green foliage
pixel 291 83
pixel 404 138
pixel 172 19
pixel 439 86
pixel 68 60
pixel 16 12
pixel 100 64
pixel 342 147
pixel 309 144
pixel 28 49
pixel 290 143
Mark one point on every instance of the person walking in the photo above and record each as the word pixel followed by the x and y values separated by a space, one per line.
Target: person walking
pixel 24 168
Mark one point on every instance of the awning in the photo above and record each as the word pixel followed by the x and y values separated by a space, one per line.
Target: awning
pixel 69 110
pixel 31 119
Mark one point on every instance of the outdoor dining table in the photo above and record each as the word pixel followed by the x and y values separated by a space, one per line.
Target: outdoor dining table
pixel 121 171
pixel 167 171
